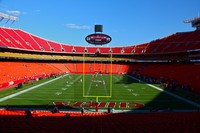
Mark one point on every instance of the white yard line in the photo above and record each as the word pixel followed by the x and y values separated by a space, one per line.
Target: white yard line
pixel 26 90
pixel 169 93
pixel 105 90
pixel 79 77
pixel 88 91
pixel 45 99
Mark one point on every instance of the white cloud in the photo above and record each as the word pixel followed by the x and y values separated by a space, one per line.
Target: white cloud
pixel 13 12
pixel 75 26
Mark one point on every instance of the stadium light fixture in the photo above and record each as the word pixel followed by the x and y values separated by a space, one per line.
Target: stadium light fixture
pixel 191 20
pixel 8 18
pixel 194 21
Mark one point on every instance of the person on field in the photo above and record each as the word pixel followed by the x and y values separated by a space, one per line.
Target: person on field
pixel 67 115
pixel 82 111
pixel 28 113
pixel 55 109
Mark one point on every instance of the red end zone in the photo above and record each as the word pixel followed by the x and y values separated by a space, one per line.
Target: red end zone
pixel 122 105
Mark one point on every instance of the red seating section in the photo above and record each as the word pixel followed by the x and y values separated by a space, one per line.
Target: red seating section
pixel 183 73
pixel 97 67
pixel 14 121
pixel 27 40
pixel 18 39
pixel 12 71
pixel 177 42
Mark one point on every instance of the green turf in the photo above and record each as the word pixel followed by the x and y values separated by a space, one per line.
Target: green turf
pixel 97 85
pixel 69 89
pixel 9 91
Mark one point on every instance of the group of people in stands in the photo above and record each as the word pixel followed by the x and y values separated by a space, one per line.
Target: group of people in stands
pixel 165 83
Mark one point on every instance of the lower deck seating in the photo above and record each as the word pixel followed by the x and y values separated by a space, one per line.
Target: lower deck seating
pixel 12 72
pixel 112 123
pixel 183 73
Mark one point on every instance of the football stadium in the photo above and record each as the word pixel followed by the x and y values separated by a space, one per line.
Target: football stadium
pixel 47 86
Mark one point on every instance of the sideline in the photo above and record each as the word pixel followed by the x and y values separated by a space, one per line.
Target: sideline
pixel 26 90
pixel 169 93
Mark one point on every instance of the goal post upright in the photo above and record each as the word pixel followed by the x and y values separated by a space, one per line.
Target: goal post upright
pixel 111 74
pixel 109 59
pixel 83 76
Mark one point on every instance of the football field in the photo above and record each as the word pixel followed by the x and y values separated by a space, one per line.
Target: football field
pixel 75 90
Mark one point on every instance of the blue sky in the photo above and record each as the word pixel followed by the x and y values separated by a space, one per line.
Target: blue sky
pixel 128 22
